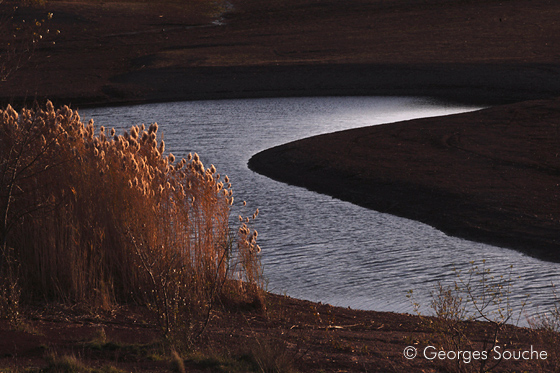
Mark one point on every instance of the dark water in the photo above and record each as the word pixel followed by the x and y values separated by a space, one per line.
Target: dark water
pixel 316 247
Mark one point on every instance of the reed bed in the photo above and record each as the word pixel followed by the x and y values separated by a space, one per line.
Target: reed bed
pixel 96 217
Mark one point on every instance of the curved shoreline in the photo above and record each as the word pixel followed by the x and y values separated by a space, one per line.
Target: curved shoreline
pixel 470 52
pixel 461 52
pixel 491 176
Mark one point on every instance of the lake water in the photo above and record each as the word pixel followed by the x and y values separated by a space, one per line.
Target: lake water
pixel 316 247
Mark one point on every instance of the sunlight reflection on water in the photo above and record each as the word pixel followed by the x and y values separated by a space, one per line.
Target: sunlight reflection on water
pixel 316 247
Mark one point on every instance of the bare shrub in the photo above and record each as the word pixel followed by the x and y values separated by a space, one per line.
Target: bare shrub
pixel 103 218
pixel 19 37
pixel 546 329
pixel 476 295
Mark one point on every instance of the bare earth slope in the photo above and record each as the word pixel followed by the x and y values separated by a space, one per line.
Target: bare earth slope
pixel 117 52
pixel 491 175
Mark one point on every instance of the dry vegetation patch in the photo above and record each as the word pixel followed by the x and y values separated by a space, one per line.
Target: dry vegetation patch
pixel 102 219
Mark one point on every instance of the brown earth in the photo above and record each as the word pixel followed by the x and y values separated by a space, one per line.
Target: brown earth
pixel 501 187
pixel 125 52
pixel 491 175
pixel 291 335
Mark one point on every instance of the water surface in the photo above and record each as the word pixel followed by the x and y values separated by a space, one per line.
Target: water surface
pixel 316 247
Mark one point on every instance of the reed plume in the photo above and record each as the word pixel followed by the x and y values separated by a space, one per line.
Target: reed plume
pixel 92 218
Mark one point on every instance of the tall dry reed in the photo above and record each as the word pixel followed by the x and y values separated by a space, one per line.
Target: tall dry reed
pixel 98 217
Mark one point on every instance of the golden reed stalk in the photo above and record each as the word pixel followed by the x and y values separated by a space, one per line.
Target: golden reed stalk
pixel 100 218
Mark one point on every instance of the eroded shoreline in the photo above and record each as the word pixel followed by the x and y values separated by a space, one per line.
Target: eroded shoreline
pixel 491 176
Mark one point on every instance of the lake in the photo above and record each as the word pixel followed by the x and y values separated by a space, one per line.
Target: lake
pixel 316 247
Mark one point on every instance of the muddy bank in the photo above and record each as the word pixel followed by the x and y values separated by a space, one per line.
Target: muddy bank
pixel 491 176
pixel 134 52
pixel 476 84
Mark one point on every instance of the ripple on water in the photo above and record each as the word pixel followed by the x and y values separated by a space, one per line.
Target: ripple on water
pixel 314 246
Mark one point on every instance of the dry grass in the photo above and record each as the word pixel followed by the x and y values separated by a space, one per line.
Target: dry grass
pixel 101 218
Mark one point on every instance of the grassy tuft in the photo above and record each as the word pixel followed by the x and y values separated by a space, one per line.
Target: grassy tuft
pixel 177 363
pixel 65 364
